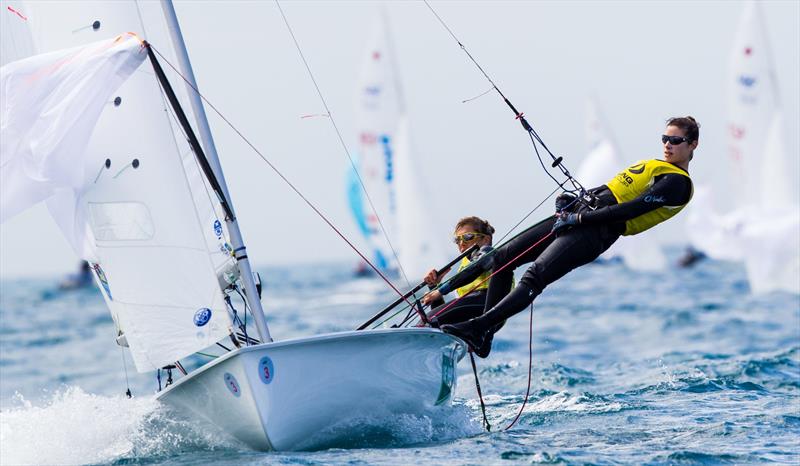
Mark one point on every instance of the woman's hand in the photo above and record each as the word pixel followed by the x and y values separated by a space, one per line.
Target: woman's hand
pixel 431 297
pixel 432 278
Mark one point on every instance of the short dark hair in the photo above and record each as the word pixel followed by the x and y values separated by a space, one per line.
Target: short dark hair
pixel 688 124
pixel 480 225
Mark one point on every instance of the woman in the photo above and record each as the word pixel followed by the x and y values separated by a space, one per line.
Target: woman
pixel 638 198
pixel 469 231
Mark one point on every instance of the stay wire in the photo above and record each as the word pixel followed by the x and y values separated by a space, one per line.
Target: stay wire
pixel 125 369
pixel 344 146
pixel 528 215
pixel 557 161
pixel 283 177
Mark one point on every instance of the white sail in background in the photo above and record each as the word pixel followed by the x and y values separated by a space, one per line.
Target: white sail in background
pixel 377 117
pixel 763 227
pixel 752 100
pixel 387 164
pixel 419 248
pixel 600 165
pixel 602 162
pixel 157 234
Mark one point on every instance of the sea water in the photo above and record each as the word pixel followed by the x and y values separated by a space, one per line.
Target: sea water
pixel 680 366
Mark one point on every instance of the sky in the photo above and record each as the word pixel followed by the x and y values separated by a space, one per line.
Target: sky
pixel 642 61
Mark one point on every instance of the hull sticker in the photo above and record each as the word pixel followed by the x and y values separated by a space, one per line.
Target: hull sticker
pixel 232 384
pixel 266 370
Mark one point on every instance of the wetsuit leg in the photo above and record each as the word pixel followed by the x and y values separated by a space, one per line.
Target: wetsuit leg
pixel 501 282
pixel 466 308
pixel 569 250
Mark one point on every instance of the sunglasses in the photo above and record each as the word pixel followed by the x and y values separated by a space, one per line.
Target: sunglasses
pixel 466 237
pixel 674 140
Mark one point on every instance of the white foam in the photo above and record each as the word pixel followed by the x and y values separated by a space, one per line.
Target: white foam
pixel 75 427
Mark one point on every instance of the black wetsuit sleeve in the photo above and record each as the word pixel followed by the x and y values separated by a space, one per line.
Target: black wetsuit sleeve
pixel 671 189
pixel 471 272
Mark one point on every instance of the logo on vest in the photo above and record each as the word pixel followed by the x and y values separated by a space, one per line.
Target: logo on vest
pixel 637 169
pixel 653 199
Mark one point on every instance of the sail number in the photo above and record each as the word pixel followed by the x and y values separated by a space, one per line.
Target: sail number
pixel 266 370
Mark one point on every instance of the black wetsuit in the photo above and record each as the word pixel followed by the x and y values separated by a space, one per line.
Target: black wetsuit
pixel 555 256
pixel 467 307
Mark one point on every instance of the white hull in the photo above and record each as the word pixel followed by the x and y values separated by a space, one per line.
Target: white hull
pixel 288 395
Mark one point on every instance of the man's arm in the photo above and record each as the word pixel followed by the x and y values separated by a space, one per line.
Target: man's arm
pixel 669 190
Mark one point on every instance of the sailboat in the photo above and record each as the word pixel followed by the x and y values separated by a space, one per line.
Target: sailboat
pixel 763 228
pixel 602 163
pixel 386 164
pixel 144 200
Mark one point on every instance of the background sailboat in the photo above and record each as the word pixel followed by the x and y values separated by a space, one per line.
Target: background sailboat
pixel 762 226
pixel 376 120
pixel 387 165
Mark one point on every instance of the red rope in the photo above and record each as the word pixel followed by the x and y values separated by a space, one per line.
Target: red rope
pixel 452 303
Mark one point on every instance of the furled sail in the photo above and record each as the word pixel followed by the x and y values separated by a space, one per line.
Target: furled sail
pixel 147 216
pixel 50 105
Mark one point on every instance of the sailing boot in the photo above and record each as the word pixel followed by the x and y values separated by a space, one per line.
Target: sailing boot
pixel 478 333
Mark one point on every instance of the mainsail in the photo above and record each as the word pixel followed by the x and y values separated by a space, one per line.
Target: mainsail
pixel 145 214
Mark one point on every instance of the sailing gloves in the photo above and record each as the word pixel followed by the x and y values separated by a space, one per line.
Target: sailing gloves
pixel 565 201
pixel 564 220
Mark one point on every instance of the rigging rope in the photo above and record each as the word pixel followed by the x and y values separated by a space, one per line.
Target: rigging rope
pixel 285 180
pixel 530 367
pixel 480 394
pixel 344 146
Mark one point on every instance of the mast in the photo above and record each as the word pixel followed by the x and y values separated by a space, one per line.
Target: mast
pixel 240 252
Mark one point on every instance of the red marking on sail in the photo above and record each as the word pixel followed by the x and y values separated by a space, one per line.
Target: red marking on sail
pixel 24 18
pixel 376 55
pixel 748 51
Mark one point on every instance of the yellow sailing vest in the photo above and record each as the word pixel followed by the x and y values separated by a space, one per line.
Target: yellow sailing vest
pixel 636 179
pixel 468 287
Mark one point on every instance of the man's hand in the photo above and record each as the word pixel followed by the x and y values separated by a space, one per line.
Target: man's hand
pixel 431 297
pixel 564 220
